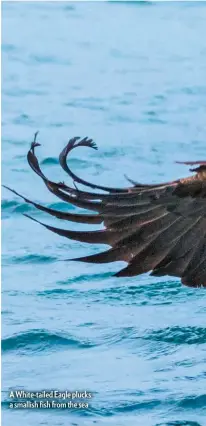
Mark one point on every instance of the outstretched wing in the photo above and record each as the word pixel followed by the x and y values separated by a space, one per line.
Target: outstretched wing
pixel 159 228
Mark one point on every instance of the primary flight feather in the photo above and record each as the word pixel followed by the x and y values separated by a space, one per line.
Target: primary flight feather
pixel 159 228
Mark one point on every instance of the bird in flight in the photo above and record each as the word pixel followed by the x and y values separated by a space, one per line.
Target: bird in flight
pixel 154 228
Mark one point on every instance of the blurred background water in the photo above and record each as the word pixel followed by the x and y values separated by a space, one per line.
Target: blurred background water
pixel 132 77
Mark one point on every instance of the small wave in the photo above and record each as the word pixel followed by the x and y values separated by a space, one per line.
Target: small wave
pixel 138 406
pixel 193 402
pixel 56 293
pixel 8 205
pixel 43 59
pixel 92 104
pixel 86 278
pixel 123 408
pixel 79 163
pixel 145 404
pixel 120 118
pixel 151 113
pixel 17 92
pixel 69 7
pixel 50 161
pixel 49 60
pixel 61 206
pixel 40 341
pixel 158 294
pixel 153 120
pixel 32 258
pixel 179 423
pixel 22 208
pixel 8 48
pixel 22 118
pixel 173 335
pixel 179 335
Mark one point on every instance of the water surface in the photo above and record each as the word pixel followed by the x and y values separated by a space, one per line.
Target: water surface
pixel 132 77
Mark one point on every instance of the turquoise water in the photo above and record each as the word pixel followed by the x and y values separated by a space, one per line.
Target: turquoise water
pixel 132 77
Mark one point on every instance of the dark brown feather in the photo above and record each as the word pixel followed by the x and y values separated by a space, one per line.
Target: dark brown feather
pixel 159 228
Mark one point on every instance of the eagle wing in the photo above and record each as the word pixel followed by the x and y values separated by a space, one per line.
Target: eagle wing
pixel 159 228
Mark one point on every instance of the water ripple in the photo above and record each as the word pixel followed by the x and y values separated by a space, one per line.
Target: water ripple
pixel 31 258
pixel 41 341
pixel 180 335
pixel 179 423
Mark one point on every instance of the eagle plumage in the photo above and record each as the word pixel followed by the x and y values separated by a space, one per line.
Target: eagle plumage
pixel 159 228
